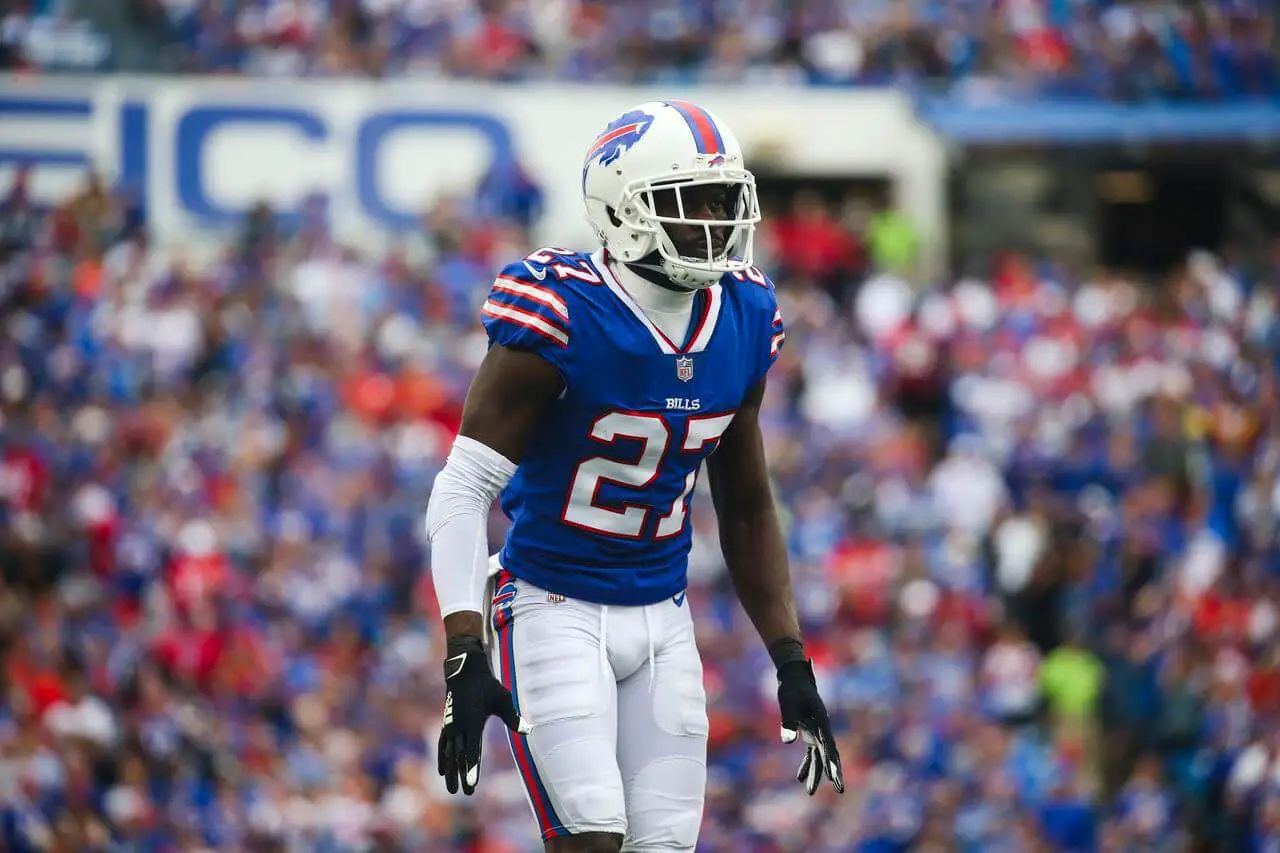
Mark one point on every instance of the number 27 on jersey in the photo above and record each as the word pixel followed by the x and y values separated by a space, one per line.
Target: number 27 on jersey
pixel 582 508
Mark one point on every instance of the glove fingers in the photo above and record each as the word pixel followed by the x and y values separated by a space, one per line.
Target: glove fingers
pixel 469 765
pixel 789 732
pixel 442 753
pixel 820 744
pixel 815 771
pixel 452 747
pixel 831 757
pixel 815 758
pixel 836 773
pixel 831 762
pixel 804 765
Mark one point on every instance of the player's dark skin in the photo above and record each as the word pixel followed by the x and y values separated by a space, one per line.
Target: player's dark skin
pixel 707 201
pixel 509 396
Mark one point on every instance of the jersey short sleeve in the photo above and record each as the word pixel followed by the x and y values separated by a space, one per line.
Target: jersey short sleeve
pixel 767 317
pixel 527 313
pixel 777 336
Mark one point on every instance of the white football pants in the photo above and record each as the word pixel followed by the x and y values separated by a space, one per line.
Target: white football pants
pixel 615 698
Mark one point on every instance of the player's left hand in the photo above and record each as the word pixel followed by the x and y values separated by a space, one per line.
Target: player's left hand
pixel 805 715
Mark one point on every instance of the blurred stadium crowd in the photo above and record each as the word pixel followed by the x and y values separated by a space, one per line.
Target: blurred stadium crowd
pixel 1034 518
pixel 1154 49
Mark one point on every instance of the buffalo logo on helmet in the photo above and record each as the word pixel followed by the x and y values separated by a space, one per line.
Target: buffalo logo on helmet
pixel 621 134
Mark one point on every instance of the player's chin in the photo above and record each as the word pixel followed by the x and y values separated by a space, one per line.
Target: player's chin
pixel 698 253
pixel 694 246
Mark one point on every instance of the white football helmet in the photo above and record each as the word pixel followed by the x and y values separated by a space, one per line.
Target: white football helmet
pixel 670 146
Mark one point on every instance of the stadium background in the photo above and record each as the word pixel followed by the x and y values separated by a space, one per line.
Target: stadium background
pixel 1025 431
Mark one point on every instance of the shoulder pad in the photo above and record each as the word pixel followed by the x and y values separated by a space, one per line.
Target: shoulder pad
pixel 529 303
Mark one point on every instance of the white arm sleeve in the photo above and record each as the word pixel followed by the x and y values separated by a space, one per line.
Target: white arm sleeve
pixel 457 523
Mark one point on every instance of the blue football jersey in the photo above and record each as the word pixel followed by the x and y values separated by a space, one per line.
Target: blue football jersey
pixel 599 503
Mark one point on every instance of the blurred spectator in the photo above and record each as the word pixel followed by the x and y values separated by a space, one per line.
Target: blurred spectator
pixel 1011 677
pixel 967 487
pixel 1145 810
pixel 1068 819
pixel 807 241
pixel 894 241
pixel 1071 679
pixel 81 715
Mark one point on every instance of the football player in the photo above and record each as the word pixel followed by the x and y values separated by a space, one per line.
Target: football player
pixel 610 378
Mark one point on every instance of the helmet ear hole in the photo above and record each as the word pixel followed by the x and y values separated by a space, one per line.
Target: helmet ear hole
pixel 613 217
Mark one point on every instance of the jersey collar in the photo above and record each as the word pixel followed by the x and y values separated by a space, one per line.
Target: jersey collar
pixel 700 333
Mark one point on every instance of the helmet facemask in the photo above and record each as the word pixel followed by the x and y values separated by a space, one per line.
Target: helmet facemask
pixel 695 252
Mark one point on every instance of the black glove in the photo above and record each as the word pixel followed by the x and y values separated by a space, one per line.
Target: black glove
pixel 804 714
pixel 471 695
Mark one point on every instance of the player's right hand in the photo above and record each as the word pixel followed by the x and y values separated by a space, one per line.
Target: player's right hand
pixel 472 694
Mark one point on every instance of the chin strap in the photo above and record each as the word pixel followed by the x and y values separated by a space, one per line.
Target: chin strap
pixel 655 274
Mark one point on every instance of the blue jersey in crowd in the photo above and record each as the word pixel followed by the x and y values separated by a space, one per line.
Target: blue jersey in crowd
pixel 599 504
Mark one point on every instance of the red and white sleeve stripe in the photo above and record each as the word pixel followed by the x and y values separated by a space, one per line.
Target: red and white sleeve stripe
pixel 542 295
pixel 533 322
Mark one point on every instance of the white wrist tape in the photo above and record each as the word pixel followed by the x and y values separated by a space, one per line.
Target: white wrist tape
pixel 458 519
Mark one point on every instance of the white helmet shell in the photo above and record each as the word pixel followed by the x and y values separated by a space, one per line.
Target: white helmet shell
pixel 659 146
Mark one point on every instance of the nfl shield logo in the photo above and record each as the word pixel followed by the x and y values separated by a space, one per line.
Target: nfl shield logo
pixel 684 368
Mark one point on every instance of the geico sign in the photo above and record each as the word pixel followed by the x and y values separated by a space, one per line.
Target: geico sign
pixel 135 131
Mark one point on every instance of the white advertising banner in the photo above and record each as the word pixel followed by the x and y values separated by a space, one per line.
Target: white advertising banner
pixel 202 151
